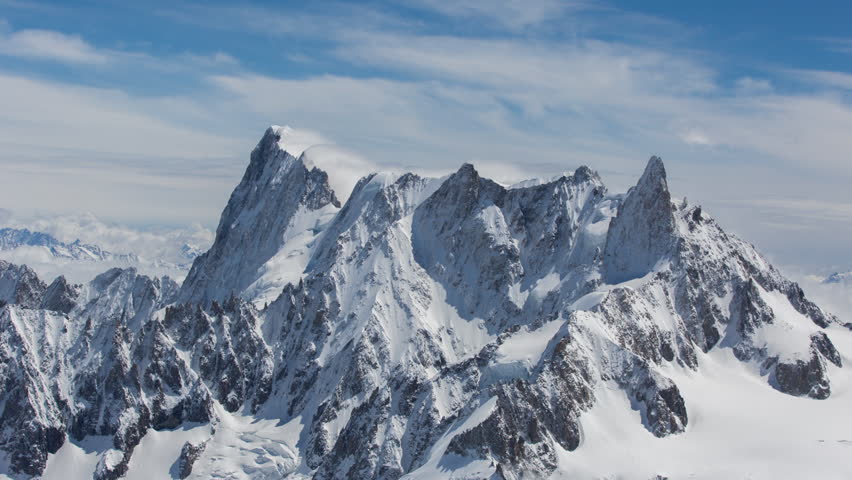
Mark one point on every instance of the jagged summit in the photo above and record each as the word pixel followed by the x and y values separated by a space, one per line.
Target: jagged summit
pixel 19 284
pixel 652 185
pixel 584 174
pixel 467 170
pixel 267 229
pixel 654 169
pixel 642 234
pixel 581 174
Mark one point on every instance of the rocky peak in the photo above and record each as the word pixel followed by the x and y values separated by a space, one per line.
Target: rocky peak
pixel 60 296
pixel 272 153
pixel 642 234
pixel 278 200
pixel 464 191
pixel 655 173
pixel 19 284
pixel 585 174
pixel 652 190
pixel 467 171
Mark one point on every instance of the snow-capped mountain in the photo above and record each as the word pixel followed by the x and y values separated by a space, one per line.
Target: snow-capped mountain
pixel 80 262
pixel 13 238
pixel 431 328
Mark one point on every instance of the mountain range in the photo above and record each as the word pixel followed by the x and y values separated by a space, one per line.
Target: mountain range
pixel 430 328
pixel 842 278
pixel 80 261
pixel 13 238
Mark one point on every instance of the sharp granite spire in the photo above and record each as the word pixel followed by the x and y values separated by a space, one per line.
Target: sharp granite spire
pixel 642 234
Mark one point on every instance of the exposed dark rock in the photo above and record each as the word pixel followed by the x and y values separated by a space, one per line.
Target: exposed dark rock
pixel 822 344
pixel 189 454
pixel 800 378
pixel 60 296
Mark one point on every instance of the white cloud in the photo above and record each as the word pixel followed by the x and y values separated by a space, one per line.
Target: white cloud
pixel 72 117
pixel 837 44
pixel 808 208
pixel 607 89
pixel 73 49
pixel 751 85
pixel 50 45
pixel 695 137
pixel 561 74
pixel 106 151
pixel 217 58
pixel 822 78
pixel 344 168
pixel 514 14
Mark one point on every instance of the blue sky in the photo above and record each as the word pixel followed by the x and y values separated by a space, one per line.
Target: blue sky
pixel 144 112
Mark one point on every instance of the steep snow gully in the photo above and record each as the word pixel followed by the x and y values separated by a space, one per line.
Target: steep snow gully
pixel 430 328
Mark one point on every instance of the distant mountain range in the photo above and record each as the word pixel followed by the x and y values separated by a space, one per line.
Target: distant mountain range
pixel 59 255
pixel 843 278
pixel 12 238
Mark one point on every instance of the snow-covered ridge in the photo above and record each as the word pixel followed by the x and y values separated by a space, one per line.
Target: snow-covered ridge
pixel 427 328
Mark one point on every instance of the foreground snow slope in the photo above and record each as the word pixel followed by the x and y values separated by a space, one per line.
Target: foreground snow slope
pixel 431 328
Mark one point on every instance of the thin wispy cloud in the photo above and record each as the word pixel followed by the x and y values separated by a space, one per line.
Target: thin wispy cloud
pixel 826 79
pixel 49 45
pixel 836 44
pixel 750 86
pixel 511 14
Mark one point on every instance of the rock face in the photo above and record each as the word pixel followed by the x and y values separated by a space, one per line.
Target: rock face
pixel 60 296
pixel 95 363
pixel 425 321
